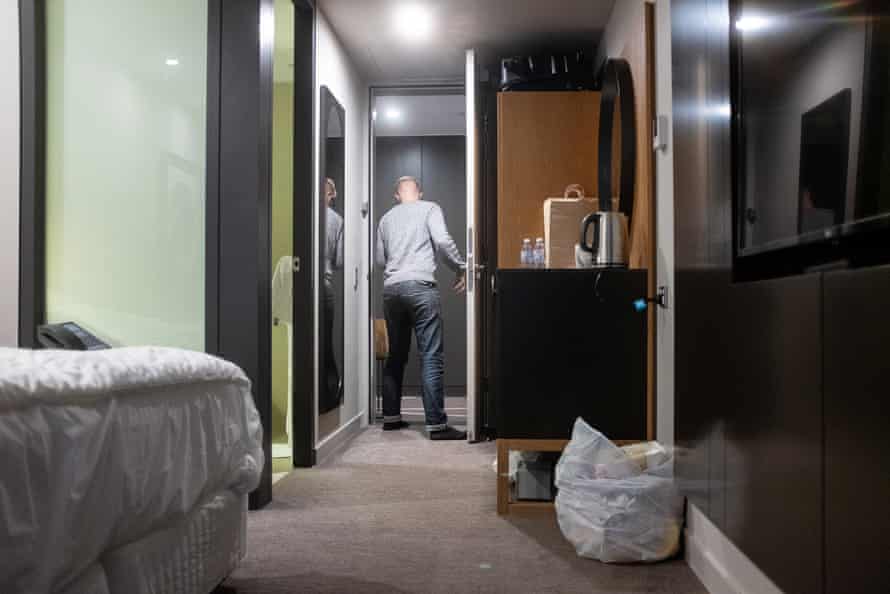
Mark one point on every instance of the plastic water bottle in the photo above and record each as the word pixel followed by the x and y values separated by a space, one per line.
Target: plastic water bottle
pixel 526 256
pixel 539 253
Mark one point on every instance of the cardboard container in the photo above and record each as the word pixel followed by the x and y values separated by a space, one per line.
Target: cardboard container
pixel 562 226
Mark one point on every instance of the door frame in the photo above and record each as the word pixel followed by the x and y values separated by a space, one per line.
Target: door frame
pixel 664 225
pixel 375 91
pixel 303 396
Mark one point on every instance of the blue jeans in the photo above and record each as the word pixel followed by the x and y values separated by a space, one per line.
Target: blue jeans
pixel 414 306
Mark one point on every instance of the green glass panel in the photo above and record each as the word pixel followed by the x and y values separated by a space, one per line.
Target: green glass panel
pixel 125 168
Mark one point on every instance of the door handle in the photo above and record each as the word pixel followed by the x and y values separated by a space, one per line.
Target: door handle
pixel 480 269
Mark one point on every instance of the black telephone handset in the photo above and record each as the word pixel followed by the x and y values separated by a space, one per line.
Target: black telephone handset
pixel 68 336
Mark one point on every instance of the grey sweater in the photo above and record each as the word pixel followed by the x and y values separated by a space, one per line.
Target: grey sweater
pixel 409 237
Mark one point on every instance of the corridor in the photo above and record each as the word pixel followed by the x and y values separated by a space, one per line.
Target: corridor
pixel 395 512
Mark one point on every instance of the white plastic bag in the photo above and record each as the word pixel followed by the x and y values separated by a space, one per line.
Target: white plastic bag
pixel 610 509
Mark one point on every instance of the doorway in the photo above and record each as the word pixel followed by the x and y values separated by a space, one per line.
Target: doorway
pixel 292 426
pixel 421 132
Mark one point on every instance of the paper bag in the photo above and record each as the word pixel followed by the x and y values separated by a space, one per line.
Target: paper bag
pixel 562 226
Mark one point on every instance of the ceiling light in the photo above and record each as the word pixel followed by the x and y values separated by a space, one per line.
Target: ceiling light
pixel 172 62
pixel 752 23
pixel 393 114
pixel 413 22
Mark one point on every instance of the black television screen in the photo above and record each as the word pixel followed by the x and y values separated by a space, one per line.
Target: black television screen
pixel 824 157
pixel 811 114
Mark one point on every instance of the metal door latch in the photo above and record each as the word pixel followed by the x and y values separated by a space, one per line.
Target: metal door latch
pixel 661 297
pixel 296 264
pixel 660 133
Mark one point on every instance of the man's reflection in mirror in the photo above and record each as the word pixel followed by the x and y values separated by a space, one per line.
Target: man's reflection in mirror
pixel 333 261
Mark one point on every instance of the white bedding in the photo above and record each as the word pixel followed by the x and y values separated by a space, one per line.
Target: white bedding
pixel 100 449
pixel 191 557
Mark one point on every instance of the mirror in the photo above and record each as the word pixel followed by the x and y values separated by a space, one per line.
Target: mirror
pixel 332 165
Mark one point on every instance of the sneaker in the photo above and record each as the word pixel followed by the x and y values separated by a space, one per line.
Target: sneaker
pixel 395 425
pixel 448 434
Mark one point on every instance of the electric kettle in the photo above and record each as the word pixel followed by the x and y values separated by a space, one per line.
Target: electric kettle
pixel 609 246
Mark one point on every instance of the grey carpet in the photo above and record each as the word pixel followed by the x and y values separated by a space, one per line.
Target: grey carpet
pixel 397 513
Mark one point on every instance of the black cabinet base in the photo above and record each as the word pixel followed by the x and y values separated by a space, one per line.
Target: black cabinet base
pixel 570 344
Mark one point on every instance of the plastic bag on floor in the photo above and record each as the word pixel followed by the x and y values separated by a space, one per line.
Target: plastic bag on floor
pixel 609 508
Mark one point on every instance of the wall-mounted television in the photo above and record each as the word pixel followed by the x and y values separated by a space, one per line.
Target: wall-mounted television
pixel 811 135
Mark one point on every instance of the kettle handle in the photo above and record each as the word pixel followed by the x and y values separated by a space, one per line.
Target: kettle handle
pixel 594 247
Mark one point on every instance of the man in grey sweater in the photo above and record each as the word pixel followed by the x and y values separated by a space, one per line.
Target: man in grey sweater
pixel 409 237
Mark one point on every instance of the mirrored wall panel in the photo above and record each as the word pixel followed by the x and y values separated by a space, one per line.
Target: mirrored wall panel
pixel 332 163
pixel 813 137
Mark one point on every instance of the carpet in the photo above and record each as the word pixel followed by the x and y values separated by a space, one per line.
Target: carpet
pixel 397 513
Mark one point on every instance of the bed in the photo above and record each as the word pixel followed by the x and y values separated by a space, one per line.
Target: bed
pixel 124 470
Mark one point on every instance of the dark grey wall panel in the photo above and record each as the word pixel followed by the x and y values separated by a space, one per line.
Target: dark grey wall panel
pixel 303 346
pixel 440 162
pixel 445 182
pixel 245 110
pixel 773 427
pixel 748 356
pixel 857 388
pixel 695 276
pixel 32 298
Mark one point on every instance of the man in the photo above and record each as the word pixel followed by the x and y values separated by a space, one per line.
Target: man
pixel 409 237
pixel 333 261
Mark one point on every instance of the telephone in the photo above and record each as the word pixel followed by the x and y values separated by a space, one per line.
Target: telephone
pixel 68 336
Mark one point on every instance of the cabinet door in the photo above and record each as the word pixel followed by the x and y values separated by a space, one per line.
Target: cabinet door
pixel 857 436
pixel 570 344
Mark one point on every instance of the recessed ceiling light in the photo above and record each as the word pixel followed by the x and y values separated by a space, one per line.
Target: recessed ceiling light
pixel 413 22
pixel 172 62
pixel 752 23
pixel 393 114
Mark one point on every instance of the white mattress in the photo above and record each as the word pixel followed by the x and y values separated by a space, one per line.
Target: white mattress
pixel 190 557
pixel 102 449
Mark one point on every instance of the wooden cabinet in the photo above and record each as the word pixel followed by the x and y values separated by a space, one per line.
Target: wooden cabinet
pixel 546 141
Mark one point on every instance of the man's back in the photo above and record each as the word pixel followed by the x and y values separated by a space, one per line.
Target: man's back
pixel 409 237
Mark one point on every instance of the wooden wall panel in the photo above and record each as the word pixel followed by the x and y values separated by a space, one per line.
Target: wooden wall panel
pixel 546 141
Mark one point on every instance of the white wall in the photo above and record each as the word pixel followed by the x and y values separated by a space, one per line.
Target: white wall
pixel 664 225
pixel 625 14
pixel 9 173
pixel 335 70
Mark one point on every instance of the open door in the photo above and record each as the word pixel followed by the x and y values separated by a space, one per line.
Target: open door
pixel 474 266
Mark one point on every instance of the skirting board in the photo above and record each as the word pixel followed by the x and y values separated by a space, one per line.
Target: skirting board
pixel 339 438
pixel 719 564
